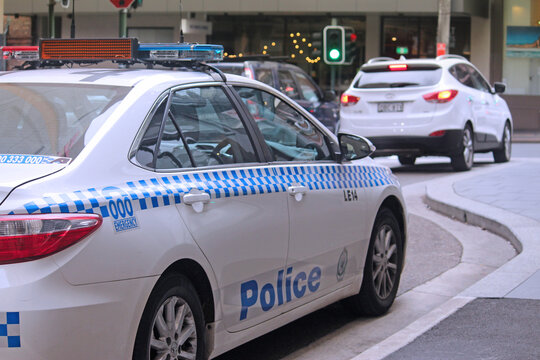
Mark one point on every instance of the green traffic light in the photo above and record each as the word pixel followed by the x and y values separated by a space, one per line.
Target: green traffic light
pixel 334 54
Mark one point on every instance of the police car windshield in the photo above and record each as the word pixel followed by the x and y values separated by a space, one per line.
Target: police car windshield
pixel 52 119
pixel 397 79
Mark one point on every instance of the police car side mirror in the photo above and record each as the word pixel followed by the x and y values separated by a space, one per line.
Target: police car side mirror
pixel 499 87
pixel 354 147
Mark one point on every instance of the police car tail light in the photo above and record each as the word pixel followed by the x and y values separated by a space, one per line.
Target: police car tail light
pixel 20 53
pixel 347 100
pixel 30 237
pixel 440 97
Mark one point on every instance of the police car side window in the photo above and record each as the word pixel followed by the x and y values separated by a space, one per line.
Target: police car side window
pixel 147 148
pixel 211 127
pixel 288 134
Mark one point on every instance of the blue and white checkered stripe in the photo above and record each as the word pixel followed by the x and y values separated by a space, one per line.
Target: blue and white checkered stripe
pixel 153 193
pixel 10 330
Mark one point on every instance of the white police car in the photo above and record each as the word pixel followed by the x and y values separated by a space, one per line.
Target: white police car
pixel 157 214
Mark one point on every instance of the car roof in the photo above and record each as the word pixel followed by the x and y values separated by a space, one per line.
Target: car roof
pixel 102 76
pixel 441 61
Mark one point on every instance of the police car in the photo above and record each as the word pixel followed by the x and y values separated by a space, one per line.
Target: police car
pixel 158 214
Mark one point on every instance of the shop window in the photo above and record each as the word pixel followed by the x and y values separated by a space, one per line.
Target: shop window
pixel 416 37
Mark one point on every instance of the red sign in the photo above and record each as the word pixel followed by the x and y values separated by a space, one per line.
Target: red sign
pixel 441 49
pixel 122 4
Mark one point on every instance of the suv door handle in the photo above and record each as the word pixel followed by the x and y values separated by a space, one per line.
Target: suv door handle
pixel 298 191
pixel 196 200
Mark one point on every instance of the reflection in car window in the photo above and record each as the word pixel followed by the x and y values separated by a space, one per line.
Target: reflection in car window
pixel 265 76
pixel 478 80
pixel 462 73
pixel 309 91
pixel 53 119
pixel 288 134
pixel 201 128
pixel 211 127
pixel 287 85
pixel 147 147
pixel 395 79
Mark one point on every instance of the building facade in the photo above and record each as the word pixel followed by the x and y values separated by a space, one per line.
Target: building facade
pixel 479 30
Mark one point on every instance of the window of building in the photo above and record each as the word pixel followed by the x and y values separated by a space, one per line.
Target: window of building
pixel 521 62
pixel 416 37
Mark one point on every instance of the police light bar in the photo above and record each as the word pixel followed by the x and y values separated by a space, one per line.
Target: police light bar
pixel 180 52
pixel 91 50
pixel 28 53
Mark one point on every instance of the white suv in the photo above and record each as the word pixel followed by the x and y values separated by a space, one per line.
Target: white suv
pixel 420 107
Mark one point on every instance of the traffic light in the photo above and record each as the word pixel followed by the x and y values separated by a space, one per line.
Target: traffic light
pixel 316 44
pixel 334 45
pixel 350 45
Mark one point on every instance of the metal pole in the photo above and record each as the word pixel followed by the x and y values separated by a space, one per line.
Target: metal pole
pixel 51 19
pixel 122 30
pixel 443 27
pixel 73 20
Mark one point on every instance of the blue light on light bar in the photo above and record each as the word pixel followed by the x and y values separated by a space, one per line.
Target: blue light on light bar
pixel 180 52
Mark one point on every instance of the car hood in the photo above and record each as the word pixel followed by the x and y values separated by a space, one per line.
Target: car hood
pixel 14 175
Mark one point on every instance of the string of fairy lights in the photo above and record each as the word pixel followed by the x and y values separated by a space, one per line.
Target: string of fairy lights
pixel 299 44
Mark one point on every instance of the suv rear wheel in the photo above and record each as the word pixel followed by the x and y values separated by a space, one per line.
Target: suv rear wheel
pixel 464 160
pixel 504 153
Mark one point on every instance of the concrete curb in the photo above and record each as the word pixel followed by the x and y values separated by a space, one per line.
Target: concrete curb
pixel 521 231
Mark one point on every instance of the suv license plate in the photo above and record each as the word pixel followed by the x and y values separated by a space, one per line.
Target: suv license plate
pixel 390 107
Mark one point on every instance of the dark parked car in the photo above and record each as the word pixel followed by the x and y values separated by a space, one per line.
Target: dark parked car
pixel 293 82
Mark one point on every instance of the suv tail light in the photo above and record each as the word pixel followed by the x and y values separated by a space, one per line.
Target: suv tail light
pixel 30 237
pixel 440 97
pixel 347 100
pixel 249 73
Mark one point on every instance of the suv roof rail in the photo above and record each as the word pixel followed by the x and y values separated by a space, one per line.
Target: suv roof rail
pixel 255 58
pixel 381 58
pixel 450 56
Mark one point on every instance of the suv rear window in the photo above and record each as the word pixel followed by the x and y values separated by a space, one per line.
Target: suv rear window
pixel 395 79
pixel 235 70
pixel 52 119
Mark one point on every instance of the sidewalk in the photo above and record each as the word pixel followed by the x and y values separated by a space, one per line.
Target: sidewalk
pixel 499 316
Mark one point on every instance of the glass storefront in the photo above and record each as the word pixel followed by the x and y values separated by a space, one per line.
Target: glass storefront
pixel 286 37
pixel 521 59
pixel 416 37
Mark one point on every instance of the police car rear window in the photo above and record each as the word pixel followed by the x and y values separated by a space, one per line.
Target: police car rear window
pixel 398 79
pixel 53 119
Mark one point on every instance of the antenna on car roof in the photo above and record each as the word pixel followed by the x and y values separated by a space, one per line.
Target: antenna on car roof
pixel 181 31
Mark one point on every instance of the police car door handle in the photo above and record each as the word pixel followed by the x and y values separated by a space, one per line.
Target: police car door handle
pixel 298 191
pixel 196 200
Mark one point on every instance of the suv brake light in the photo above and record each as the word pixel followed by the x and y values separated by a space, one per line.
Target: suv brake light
pixel 30 237
pixel 441 96
pixel 347 100
pixel 398 67
pixel 249 73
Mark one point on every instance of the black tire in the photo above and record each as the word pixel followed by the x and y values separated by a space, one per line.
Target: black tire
pixel 465 159
pixel 504 153
pixel 173 295
pixel 406 160
pixel 373 299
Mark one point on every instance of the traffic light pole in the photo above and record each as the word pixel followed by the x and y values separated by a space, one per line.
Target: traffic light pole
pixel 122 31
pixel 51 19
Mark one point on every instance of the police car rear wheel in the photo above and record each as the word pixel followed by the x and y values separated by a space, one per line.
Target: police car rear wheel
pixel 382 270
pixel 172 325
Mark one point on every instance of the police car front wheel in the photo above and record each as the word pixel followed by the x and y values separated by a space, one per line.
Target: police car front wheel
pixel 172 325
pixel 382 270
